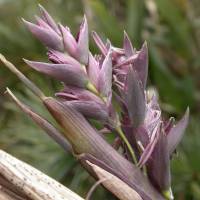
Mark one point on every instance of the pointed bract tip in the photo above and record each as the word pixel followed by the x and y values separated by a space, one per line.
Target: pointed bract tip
pixel 9 92
pixel 176 133
pixel 2 58
pixel 25 21
pixel 41 7
pixel 84 18
pixel 26 61
pixel 187 111
pixel 145 45
pixel 125 34
pixel 84 23
pixel 13 97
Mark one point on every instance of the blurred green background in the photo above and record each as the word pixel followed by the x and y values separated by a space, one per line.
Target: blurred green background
pixel 172 30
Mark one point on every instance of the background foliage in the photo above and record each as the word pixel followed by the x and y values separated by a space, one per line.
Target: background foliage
pixel 172 30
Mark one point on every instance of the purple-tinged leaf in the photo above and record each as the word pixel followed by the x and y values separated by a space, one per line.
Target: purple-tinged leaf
pixel 127 61
pixel 93 70
pixel 176 133
pixel 47 36
pixel 66 96
pixel 58 57
pixel 69 42
pixel 128 48
pixel 141 135
pixel 153 116
pixel 158 165
pixel 66 73
pixel 105 76
pixel 135 98
pixel 140 64
pixel 78 94
pixel 85 139
pixel 102 47
pixel 43 123
pixel 83 43
pixel 41 23
pixel 90 109
pixel 169 125
pixel 130 135
pixel 150 147
pixel 108 44
pixel 84 157
pixel 48 19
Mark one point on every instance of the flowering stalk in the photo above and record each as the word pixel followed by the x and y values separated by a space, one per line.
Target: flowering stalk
pixel 147 139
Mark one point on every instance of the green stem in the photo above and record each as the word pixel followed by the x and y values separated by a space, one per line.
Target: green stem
pixel 120 132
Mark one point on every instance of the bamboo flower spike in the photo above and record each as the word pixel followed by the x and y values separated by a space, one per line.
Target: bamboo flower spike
pixel 147 139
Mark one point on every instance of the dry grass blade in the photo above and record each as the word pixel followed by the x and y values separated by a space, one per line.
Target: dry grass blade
pixel 114 184
pixel 31 182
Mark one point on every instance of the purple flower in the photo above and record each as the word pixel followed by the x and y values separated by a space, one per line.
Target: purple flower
pixel 111 88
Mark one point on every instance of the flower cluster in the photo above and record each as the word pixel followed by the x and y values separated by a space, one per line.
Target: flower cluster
pixel 111 88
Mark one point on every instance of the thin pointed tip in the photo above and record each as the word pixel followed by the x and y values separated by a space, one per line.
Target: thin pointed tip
pixel 85 17
pixel 42 9
pixel 27 23
pixel 84 21
pixel 23 20
pixel 10 93
pixel 61 27
pixel 145 45
pixel 2 57
pixel 94 33
pixel 125 34
pixel 187 112
pixel 26 61
pixel 7 91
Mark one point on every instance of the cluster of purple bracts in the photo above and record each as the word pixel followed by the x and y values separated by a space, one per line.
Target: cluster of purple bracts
pixel 95 84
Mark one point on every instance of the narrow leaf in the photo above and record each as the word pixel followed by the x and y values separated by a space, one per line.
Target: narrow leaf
pixel 22 77
pixel 48 19
pixel 43 123
pixel 158 166
pixel 99 43
pixel 128 48
pixel 69 41
pixel 135 98
pixel 90 109
pixel 140 64
pixel 47 36
pixel 175 135
pixel 93 70
pixel 63 72
pixel 83 43
pixel 105 76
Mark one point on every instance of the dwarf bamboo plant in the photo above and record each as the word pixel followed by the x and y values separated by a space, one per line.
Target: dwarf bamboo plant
pixel 110 89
